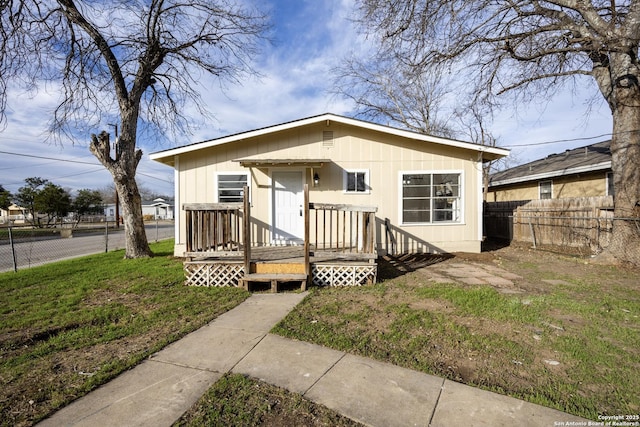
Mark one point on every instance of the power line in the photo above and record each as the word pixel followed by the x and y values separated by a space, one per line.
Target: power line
pixel 558 141
pixel 22 166
pixel 154 177
pixel 74 161
pixel 50 158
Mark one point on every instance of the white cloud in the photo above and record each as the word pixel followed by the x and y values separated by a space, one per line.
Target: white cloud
pixel 312 37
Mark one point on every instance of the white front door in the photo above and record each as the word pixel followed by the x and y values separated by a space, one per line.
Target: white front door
pixel 288 198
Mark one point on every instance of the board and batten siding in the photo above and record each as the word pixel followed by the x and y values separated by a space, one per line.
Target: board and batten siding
pixel 383 156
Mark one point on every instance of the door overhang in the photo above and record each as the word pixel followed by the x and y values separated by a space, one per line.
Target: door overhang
pixel 282 163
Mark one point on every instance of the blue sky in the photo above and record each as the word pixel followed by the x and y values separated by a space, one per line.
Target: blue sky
pixel 310 37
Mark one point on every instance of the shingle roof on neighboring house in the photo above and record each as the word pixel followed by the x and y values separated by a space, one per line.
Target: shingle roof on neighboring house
pixel 578 160
pixel 157 202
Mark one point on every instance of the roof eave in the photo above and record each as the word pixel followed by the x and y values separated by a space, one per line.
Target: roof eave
pixel 552 174
pixel 488 153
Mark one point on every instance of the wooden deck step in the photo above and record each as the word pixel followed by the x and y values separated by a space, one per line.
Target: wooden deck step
pixel 273 279
pixel 278 268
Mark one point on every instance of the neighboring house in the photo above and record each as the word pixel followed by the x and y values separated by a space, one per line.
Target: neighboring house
pixel 14 215
pixel 427 190
pixel 580 172
pixel 156 209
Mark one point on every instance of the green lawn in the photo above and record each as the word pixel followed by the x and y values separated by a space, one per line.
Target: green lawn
pixel 573 345
pixel 70 326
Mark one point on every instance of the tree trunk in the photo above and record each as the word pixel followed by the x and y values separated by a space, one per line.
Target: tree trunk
pixel 625 150
pixel 136 243
pixel 620 86
pixel 123 170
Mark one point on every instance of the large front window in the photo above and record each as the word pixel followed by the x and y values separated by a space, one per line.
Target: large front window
pixel 430 197
pixel 230 187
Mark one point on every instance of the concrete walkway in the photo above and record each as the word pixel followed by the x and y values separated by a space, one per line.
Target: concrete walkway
pixel 158 391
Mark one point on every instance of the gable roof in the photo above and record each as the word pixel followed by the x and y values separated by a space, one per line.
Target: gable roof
pixel 488 153
pixel 578 160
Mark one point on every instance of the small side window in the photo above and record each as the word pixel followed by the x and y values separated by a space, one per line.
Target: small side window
pixel 356 181
pixel 545 189
pixel 230 186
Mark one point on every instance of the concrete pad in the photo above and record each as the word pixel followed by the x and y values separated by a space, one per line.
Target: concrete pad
pixel 210 348
pixel 260 312
pixel 458 265
pixel 456 272
pixel 472 281
pixel 152 394
pixel 510 276
pixel 498 281
pixel 434 276
pixel 294 365
pixel 463 405
pixel 378 394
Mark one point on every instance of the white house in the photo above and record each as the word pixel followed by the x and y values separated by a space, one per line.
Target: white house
pixel 426 190
pixel 157 209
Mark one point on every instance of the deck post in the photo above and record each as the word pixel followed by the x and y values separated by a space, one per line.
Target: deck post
pixel 307 266
pixel 246 232
pixel 189 231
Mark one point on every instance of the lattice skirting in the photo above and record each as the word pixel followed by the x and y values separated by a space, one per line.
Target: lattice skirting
pixel 344 274
pixel 213 273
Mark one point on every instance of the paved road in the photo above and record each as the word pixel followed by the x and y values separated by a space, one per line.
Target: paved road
pixel 32 252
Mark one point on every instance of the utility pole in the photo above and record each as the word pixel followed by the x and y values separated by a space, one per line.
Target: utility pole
pixel 117 155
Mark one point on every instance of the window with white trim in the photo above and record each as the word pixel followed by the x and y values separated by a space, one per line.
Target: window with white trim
pixel 545 189
pixel 230 186
pixel 356 181
pixel 431 197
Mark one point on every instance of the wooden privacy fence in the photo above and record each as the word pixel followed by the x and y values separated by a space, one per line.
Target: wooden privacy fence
pixel 346 229
pixel 581 224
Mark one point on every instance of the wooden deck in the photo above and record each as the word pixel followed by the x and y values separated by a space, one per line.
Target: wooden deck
pixel 286 254
pixel 338 247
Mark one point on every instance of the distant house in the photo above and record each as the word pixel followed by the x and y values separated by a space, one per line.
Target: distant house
pixel 14 215
pixel 580 172
pixel 157 209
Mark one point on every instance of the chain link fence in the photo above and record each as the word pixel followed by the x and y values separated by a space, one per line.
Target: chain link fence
pixel 632 225
pixel 25 247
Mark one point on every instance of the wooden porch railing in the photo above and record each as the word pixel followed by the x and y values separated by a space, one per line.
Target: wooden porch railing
pixel 224 230
pixel 214 229
pixel 347 230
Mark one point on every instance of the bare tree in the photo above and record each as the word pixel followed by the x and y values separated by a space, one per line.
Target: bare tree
pixel 388 91
pixel 132 61
pixel 475 121
pixel 529 49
